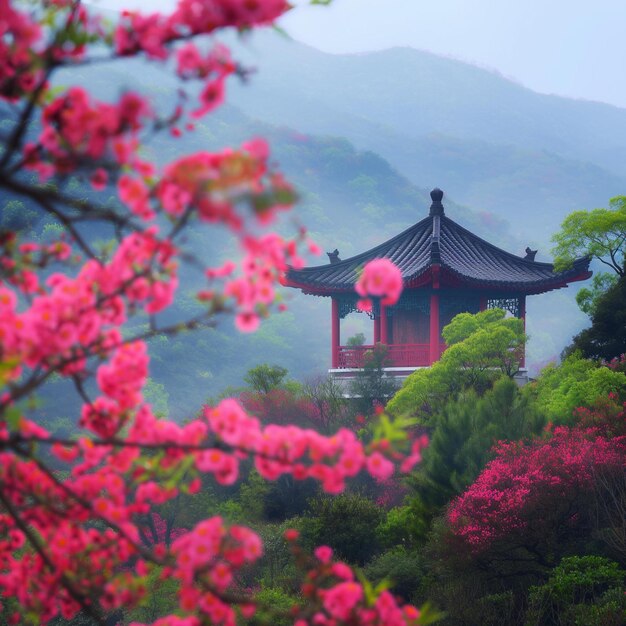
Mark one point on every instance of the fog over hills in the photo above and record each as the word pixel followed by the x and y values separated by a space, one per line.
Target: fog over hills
pixel 364 138
pixel 488 141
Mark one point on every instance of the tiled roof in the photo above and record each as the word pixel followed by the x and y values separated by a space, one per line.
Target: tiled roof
pixel 464 258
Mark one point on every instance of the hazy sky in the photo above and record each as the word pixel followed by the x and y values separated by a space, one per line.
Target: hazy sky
pixel 574 48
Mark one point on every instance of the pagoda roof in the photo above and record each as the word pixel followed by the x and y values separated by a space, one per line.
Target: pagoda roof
pixel 437 249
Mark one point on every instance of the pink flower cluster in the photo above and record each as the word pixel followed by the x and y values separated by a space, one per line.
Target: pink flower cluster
pixel 303 453
pixel 340 599
pixel 208 556
pixel 78 315
pixel 213 67
pixel 380 278
pixel 75 551
pixel 76 128
pixel 266 261
pixel 152 33
pixel 214 183
pixel 22 44
pixel 526 480
pixel 72 540
pixel 276 450
pixel 19 37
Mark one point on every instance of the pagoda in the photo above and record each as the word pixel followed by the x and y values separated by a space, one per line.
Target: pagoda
pixel 446 270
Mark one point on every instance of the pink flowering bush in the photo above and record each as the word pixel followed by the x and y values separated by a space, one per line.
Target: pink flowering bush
pixel 534 492
pixel 74 540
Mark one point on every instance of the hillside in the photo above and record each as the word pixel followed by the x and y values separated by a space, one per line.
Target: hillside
pixel 363 161
pixel 492 143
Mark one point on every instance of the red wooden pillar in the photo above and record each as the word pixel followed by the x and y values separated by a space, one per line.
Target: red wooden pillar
pixel 434 327
pixel 335 337
pixel 377 329
pixel 483 303
pixel 522 314
pixel 383 324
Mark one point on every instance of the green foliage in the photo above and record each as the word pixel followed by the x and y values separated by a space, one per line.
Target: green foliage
pixel 482 347
pixel 52 232
pixel 402 569
pixel 587 298
pixel 347 523
pixel 371 385
pixel 288 497
pixel 252 494
pixel 273 607
pixel 462 436
pixel 263 378
pixel 606 338
pixel 160 598
pixel 276 569
pixel 559 389
pixel 327 395
pixel 600 233
pixel 484 341
pixel 581 591
pixel 397 528
pixel 356 340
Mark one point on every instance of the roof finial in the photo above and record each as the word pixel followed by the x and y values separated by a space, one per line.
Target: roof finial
pixel 333 256
pixel 530 254
pixel 436 208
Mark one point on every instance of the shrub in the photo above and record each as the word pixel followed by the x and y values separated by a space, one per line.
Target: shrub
pixel 581 590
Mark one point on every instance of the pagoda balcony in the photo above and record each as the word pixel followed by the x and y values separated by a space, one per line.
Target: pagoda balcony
pixel 398 355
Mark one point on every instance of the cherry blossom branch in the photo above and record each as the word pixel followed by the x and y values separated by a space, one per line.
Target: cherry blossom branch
pixel 79 597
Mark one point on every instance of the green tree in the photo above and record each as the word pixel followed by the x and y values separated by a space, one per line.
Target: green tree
pixel 560 389
pixel 606 337
pixel 15 216
pixel 328 397
pixel 347 523
pixel 587 297
pixel 481 348
pixel 580 590
pixel 265 377
pixel 460 445
pixel 402 569
pixel 600 233
pixel 356 340
pixel 371 385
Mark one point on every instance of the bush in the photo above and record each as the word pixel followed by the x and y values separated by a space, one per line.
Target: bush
pixel 581 590
pixel 347 523
pixel 575 382
pixel 463 434
pixel 482 347
pixel 403 569
pixel 274 605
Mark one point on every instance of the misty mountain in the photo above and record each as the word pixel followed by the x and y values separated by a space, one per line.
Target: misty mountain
pixel 364 145
pixel 491 143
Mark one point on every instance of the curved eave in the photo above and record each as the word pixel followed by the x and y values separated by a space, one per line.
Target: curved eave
pixel 437 250
pixel 411 245
pixel 453 278
pixel 450 277
pixel 418 280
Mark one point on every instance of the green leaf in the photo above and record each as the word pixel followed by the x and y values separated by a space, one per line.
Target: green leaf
pixel 6 370
pixel 429 615
pixel 12 415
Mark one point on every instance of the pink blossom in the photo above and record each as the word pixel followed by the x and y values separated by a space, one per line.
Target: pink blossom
pixel 380 278
pixel 379 467
pixel 323 554
pixel 342 598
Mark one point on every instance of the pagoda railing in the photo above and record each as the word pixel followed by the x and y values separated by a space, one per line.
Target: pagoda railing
pixel 398 355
